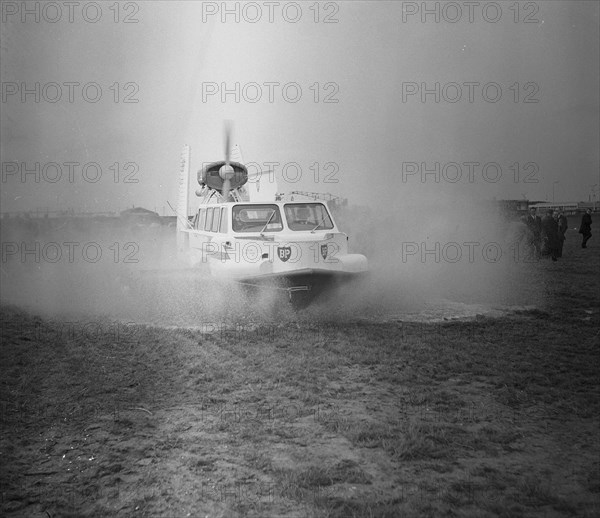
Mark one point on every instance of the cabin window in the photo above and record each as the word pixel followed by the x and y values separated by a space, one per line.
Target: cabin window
pixel 216 220
pixel 202 219
pixel 307 216
pixel 256 218
pixel 209 218
pixel 223 226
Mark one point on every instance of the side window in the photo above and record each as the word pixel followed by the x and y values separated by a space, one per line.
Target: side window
pixel 209 217
pixel 223 227
pixel 216 220
pixel 202 219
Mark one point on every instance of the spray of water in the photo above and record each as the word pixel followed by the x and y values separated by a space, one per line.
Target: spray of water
pixel 419 251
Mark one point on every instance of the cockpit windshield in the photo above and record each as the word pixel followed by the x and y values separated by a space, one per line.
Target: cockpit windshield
pixel 256 218
pixel 307 216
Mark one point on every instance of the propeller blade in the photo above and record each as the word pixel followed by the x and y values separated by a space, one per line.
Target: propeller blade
pixel 226 188
pixel 227 141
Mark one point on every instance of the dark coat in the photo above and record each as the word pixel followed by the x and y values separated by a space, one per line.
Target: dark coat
pixel 550 233
pixel 534 225
pixel 563 224
pixel 586 224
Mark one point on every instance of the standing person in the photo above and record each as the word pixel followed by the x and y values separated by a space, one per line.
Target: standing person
pixel 563 225
pixel 550 234
pixel 534 234
pixel 586 227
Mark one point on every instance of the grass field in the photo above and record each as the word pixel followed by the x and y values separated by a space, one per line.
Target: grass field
pixel 492 415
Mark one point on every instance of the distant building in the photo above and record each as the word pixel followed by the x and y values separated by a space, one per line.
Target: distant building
pixel 568 207
pixel 512 208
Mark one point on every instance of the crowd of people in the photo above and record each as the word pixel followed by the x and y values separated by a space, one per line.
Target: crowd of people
pixel 546 236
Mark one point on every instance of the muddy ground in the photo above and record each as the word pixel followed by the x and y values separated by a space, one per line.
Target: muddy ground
pixel 450 408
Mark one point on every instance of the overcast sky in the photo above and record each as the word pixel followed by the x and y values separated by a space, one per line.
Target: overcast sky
pixel 515 114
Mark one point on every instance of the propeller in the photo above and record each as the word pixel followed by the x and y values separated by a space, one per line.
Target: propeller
pixel 226 172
